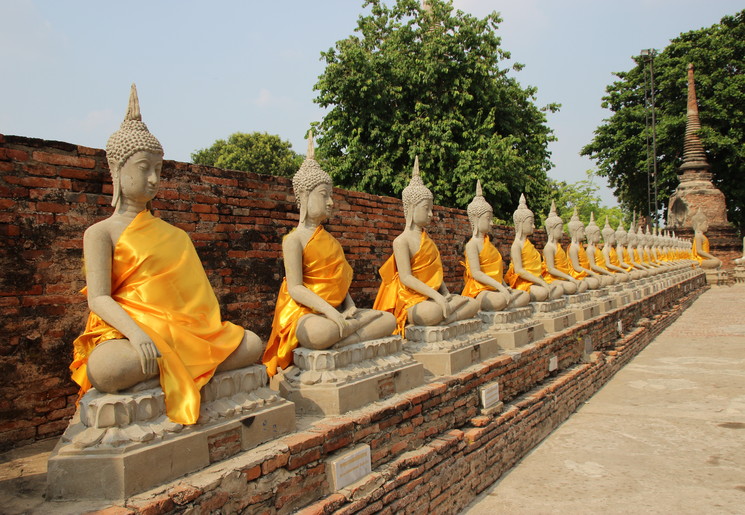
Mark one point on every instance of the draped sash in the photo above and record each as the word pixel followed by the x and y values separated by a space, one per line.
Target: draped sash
pixel 492 264
pixel 326 273
pixel 532 263
pixel 158 279
pixel 394 297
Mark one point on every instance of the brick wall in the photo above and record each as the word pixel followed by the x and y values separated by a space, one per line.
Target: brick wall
pixel 50 192
pixel 433 449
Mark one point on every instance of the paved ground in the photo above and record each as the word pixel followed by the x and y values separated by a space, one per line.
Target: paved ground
pixel 666 435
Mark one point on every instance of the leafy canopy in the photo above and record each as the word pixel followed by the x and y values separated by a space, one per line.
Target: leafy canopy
pixel 257 152
pixel 619 146
pixel 584 195
pixel 416 81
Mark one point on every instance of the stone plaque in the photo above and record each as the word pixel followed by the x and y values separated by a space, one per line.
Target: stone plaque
pixel 490 395
pixel 349 467
pixel 553 363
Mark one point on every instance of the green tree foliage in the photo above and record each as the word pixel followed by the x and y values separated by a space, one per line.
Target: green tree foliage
pixel 257 152
pixel 619 146
pixel 584 195
pixel 414 82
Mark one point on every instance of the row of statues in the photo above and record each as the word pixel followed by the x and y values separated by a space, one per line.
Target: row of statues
pixel 154 313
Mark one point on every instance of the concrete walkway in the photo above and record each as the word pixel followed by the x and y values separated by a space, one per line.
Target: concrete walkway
pixel 666 435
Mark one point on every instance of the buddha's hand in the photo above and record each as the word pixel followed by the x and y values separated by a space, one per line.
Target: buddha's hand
pixel 444 305
pixel 148 353
pixel 339 320
pixel 349 311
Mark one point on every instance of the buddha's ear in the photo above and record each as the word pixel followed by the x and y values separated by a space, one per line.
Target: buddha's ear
pixel 116 196
pixel 303 204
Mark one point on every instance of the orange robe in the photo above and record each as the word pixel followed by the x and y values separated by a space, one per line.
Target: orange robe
pixel 561 260
pixel 615 261
pixel 584 261
pixel 158 279
pixel 396 298
pixel 600 259
pixel 532 263
pixel 326 273
pixel 490 260
pixel 705 244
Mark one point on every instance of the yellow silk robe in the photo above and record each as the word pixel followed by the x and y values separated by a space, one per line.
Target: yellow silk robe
pixel 705 244
pixel 561 261
pixel 158 279
pixel 490 260
pixel 532 263
pixel 600 259
pixel 396 298
pixel 615 261
pixel 326 273
pixel 584 261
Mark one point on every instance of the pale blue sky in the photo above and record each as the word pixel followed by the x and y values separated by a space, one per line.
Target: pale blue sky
pixel 207 69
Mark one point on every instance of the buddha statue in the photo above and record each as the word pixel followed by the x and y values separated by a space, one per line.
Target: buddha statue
pixel 526 267
pixel 577 254
pixel 412 285
pixel 556 266
pixel 741 260
pixel 650 256
pixel 632 256
pixel 153 310
pixel 484 268
pixel 595 259
pixel 314 308
pixel 700 243
pixel 623 254
pixel 610 255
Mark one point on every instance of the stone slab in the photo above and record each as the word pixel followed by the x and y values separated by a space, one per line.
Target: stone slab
pixel 349 467
pixel 443 361
pixel 513 328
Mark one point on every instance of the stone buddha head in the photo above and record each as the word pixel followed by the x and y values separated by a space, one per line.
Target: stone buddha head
pixel 417 200
pixel 592 231
pixel 524 219
pixel 621 236
pixel 133 139
pixel 554 224
pixel 609 235
pixel 699 222
pixel 480 213
pixel 576 227
pixel 312 187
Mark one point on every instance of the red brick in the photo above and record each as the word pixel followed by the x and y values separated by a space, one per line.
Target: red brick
pixel 277 461
pixel 298 460
pixel 64 160
pixel 252 473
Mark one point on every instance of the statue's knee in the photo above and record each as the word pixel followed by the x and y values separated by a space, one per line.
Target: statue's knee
pixel 426 313
pixel 492 301
pixel 114 366
pixel 521 300
pixel 316 332
pixel 539 293
pixel 569 288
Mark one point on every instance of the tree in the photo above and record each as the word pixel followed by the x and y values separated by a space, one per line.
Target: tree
pixel 619 146
pixel 584 196
pixel 257 152
pixel 426 81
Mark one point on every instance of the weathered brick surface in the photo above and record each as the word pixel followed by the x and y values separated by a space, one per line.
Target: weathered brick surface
pixel 433 449
pixel 51 191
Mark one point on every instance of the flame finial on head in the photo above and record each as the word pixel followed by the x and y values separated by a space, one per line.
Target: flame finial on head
pixel 308 177
pixel 416 191
pixel 553 219
pixel 607 231
pixel 477 207
pixel 522 213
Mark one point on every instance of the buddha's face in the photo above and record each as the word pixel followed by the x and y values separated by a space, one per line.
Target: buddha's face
pixel 631 238
pixel 610 239
pixel 593 237
pixel 557 231
pixel 621 238
pixel 580 233
pixel 528 226
pixel 320 203
pixel 422 214
pixel 484 224
pixel 139 177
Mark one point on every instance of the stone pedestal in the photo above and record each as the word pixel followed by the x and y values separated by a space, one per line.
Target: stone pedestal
pixel 513 328
pixel 120 444
pixel 717 277
pixel 554 315
pixel 583 306
pixel 448 349
pixel 335 381
pixel 739 273
pixel 617 295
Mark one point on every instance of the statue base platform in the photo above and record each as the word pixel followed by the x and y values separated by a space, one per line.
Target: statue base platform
pixel 583 306
pixel 513 328
pixel 717 277
pixel 335 381
pixel 612 297
pixel 448 349
pixel 739 273
pixel 119 444
pixel 554 315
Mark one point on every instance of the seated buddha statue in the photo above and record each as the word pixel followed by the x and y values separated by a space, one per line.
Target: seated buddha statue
pixel 556 266
pixel 632 245
pixel 623 254
pixel 526 266
pixel 578 256
pixel 700 243
pixel 314 308
pixel 412 286
pixel 484 268
pixel 595 257
pixel 153 310
pixel 610 255
pixel 643 244
pixel 741 260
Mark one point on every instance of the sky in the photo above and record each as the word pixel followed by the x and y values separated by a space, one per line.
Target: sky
pixel 205 70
